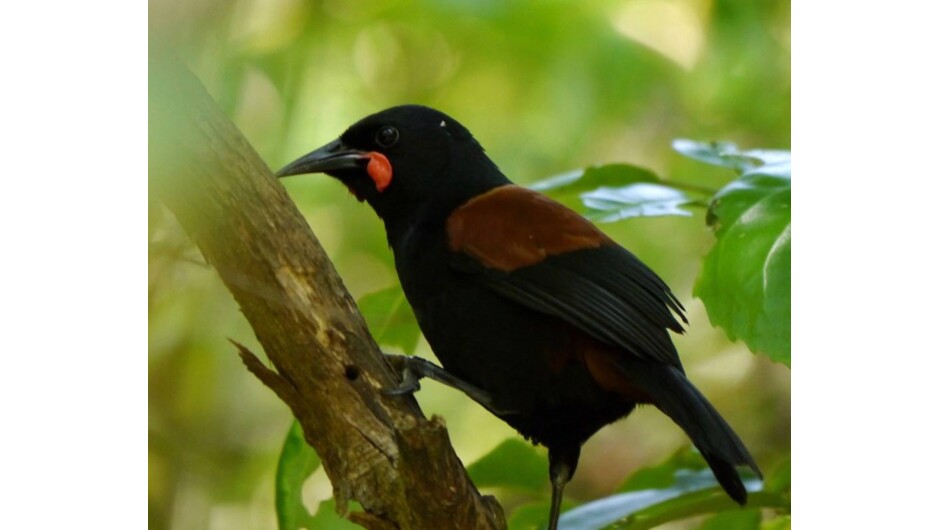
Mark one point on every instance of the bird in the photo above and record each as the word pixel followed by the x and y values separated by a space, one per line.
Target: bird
pixel 531 310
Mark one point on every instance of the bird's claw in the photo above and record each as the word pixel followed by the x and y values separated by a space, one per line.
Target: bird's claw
pixel 401 390
pixel 409 385
pixel 410 381
pixel 413 369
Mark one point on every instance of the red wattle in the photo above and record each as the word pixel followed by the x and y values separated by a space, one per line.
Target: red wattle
pixel 380 170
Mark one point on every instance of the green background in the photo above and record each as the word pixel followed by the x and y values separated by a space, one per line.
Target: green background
pixel 546 87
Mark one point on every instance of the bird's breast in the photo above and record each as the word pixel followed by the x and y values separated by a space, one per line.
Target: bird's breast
pixel 530 362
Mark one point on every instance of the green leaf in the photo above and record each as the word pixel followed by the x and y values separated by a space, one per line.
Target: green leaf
pixel 606 511
pixel 591 178
pixel 613 192
pixel 327 518
pixel 779 480
pixel 663 475
pixel 677 488
pixel 607 205
pixel 769 157
pixel 748 519
pixel 390 319
pixel 745 278
pixel 695 503
pixel 726 154
pixel 779 523
pixel 512 464
pixel 297 462
pixel 531 516
pixel 723 154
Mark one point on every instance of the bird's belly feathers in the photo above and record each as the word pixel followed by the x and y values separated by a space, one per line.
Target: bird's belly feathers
pixel 529 362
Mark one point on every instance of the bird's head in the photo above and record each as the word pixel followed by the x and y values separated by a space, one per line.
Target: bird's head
pixel 405 161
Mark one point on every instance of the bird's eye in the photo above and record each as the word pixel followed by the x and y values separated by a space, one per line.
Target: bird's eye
pixel 387 136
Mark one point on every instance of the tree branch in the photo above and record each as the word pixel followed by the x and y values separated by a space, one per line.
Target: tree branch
pixel 376 449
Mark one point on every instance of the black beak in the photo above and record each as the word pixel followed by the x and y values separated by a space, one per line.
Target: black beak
pixel 332 156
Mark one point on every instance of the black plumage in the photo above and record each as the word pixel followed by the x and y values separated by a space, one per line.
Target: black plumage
pixel 537 314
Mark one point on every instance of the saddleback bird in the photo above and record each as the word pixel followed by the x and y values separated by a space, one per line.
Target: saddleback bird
pixel 533 311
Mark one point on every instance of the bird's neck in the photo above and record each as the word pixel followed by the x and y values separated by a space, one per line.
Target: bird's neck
pixel 430 213
pixel 429 216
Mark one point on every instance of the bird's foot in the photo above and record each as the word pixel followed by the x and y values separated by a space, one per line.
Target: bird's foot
pixel 413 369
pixel 410 380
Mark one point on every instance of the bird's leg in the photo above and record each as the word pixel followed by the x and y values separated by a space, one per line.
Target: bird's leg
pixel 413 369
pixel 561 465
pixel 410 381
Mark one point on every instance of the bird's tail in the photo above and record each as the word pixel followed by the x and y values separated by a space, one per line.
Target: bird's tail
pixel 711 434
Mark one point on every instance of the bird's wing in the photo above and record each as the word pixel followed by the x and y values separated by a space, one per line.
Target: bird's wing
pixel 544 256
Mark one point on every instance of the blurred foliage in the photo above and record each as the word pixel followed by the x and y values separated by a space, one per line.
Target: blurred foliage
pixel 297 462
pixel 547 87
pixel 513 464
pixel 613 192
pixel 679 487
pixel 390 319
pixel 745 280
pixel 614 204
